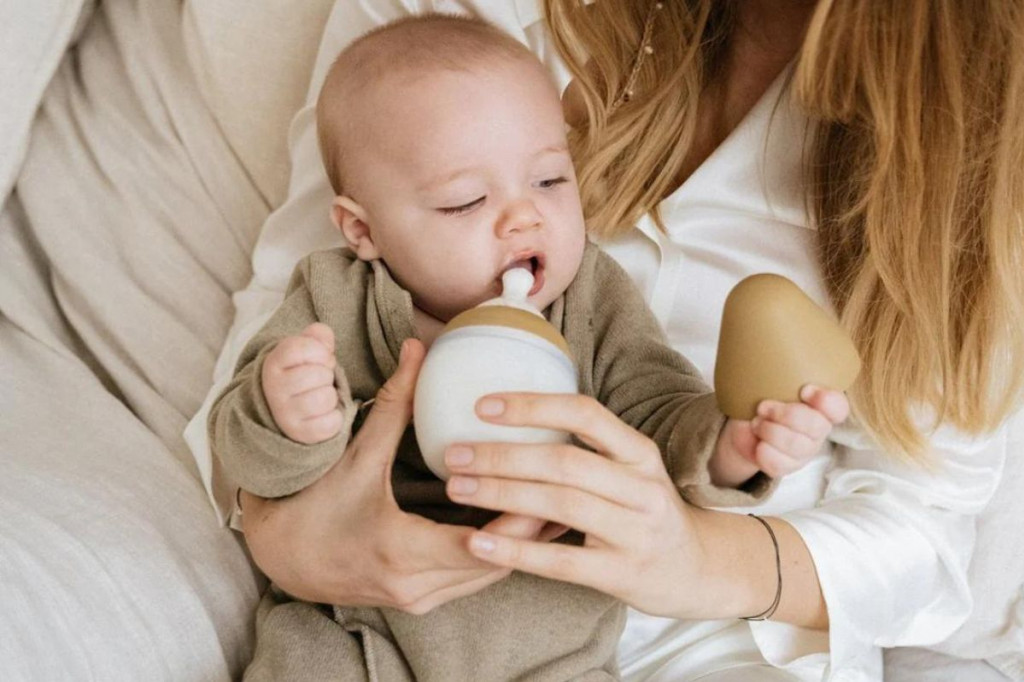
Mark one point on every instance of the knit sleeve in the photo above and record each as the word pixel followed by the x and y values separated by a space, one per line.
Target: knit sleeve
pixel 242 431
pixel 651 387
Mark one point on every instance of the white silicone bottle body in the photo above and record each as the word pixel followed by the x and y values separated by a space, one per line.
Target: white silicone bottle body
pixel 469 362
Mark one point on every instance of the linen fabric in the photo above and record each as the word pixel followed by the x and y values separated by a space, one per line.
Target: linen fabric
pixel 34 37
pixel 129 226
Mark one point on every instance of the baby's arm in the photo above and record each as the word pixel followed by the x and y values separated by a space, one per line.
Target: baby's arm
pixel 779 440
pixel 654 389
pixel 298 382
pixel 252 431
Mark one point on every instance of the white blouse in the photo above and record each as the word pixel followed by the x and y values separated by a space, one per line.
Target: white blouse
pixel 891 544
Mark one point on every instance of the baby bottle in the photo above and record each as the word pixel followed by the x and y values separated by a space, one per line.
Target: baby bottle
pixel 502 345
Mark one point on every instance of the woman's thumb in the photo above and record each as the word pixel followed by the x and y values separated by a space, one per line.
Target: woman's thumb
pixel 392 409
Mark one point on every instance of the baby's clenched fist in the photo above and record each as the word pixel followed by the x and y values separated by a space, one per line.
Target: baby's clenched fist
pixel 782 438
pixel 298 382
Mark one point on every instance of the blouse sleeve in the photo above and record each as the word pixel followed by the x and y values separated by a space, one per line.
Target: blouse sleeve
pixel 891 543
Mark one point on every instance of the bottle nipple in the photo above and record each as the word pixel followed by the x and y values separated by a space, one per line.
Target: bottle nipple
pixel 515 291
pixel 516 284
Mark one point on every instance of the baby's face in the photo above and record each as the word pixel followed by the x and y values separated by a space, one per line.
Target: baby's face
pixel 463 175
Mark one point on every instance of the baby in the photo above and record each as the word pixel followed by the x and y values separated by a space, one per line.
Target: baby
pixel 445 144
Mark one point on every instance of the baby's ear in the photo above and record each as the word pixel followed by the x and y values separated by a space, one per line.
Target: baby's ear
pixel 349 217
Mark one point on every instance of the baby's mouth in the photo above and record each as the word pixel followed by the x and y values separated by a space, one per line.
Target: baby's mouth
pixel 534 262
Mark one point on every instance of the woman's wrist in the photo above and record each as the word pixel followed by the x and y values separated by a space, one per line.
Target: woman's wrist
pixel 739 575
pixel 264 538
pixel 736 556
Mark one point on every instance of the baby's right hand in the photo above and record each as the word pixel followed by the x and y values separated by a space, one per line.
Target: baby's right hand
pixel 298 382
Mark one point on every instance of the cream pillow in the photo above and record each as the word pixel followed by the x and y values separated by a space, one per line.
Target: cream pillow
pixel 33 39
pixel 252 61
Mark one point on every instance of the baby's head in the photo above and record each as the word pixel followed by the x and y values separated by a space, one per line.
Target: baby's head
pixel 445 144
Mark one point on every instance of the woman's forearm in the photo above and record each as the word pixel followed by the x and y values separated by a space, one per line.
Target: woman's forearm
pixel 740 571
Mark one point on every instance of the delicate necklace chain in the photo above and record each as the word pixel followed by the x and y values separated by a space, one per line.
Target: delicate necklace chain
pixel 645 49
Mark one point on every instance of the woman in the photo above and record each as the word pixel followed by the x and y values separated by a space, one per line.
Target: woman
pixel 690 120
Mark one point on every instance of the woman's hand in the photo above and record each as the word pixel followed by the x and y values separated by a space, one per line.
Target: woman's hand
pixel 644 544
pixel 344 540
pixel 640 536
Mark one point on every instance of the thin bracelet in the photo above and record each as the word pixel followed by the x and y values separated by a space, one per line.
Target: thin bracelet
pixel 770 611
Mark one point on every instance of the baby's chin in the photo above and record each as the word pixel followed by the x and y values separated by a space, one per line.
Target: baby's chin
pixel 445 312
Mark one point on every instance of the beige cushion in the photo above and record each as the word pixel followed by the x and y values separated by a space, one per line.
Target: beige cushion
pixel 252 61
pixel 131 225
pixel 33 38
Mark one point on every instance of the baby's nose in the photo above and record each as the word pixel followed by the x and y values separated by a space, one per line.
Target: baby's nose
pixel 518 217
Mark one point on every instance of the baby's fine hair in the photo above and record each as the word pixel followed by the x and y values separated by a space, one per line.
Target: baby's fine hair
pixel 418 44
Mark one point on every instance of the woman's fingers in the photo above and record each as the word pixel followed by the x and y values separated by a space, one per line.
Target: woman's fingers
pixel 413 544
pixel 409 544
pixel 436 567
pixel 525 527
pixel 423 544
pixel 592 422
pixel 516 526
pixel 552 531
pixel 567 506
pixel 581 565
pixel 565 465
pixel 427 589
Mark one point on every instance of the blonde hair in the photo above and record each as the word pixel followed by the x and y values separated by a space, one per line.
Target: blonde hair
pixel 915 169
pixel 405 47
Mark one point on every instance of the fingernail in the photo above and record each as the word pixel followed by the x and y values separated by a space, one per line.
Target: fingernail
pixel 490 407
pixel 482 543
pixel 458 456
pixel 807 392
pixel 764 409
pixel 461 485
pixel 754 422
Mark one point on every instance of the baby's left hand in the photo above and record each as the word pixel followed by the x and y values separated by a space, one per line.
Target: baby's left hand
pixel 783 436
